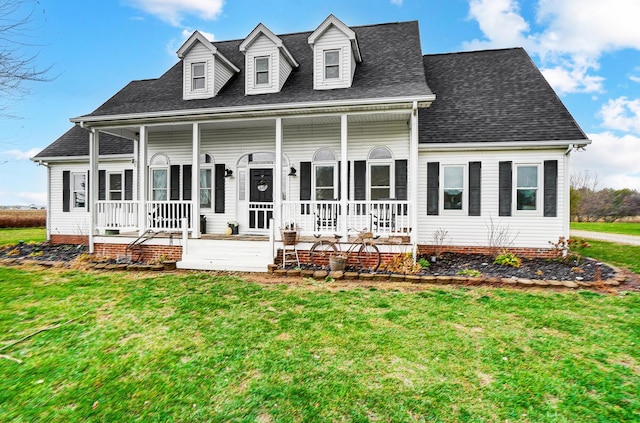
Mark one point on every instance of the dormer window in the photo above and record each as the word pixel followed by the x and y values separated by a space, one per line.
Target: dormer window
pixel 198 76
pixel 331 64
pixel 262 70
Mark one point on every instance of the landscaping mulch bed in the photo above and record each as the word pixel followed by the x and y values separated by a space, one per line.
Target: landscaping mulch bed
pixel 43 251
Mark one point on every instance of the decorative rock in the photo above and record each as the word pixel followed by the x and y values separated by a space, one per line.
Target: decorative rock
pixel 366 276
pixel 169 265
pixel 121 267
pixel 336 274
pixel 101 266
pixel 525 282
pixel 458 279
pixel 293 273
pixel 110 267
pixel 131 267
pixel 540 282
pixel 156 267
pixel 280 272
pixel 397 277
pixel 555 282
pixel 271 267
pixel 351 276
pixel 412 278
pixel 428 279
pixel 570 284
pixel 612 282
pixel 509 281
pixel 320 274
pixel 381 277
pixel 143 267
pixel 443 279
pixel 307 273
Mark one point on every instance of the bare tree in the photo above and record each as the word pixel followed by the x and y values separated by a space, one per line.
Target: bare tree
pixel 17 68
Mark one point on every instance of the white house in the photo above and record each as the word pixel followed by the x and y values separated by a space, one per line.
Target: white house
pixel 338 128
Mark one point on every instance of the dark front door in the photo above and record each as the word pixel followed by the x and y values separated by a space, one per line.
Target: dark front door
pixel 260 198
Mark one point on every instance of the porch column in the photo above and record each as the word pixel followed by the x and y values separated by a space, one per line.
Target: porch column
pixel 92 192
pixel 142 180
pixel 413 178
pixel 277 186
pixel 195 181
pixel 344 180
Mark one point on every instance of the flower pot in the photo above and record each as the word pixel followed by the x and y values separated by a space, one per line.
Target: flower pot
pixel 337 263
pixel 234 229
pixel 289 237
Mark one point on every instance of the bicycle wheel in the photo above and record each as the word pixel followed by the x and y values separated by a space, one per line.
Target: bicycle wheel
pixel 321 251
pixel 369 257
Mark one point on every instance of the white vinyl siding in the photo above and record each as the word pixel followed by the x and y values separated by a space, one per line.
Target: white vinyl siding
pixel 529 230
pixel 216 73
pixel 333 40
pixel 278 71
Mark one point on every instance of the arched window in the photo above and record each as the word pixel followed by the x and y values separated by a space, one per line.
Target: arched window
pixel 325 175
pixel 381 174
pixel 159 170
pixel 206 181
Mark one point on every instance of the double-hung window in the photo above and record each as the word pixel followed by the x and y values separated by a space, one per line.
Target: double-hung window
pixel 262 70
pixel 198 80
pixel 325 174
pixel 79 189
pixel 332 64
pixel 527 187
pixel 159 178
pixel 381 174
pixel 453 187
pixel 115 186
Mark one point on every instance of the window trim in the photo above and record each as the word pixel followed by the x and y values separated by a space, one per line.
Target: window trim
pixel 167 169
pixel 207 163
pixel 325 65
pixel 465 189
pixel 74 191
pixel 256 72
pixel 314 186
pixel 391 163
pixel 203 77
pixel 539 189
pixel 108 186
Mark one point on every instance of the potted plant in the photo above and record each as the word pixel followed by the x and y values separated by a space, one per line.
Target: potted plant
pixel 289 234
pixel 337 262
pixel 233 225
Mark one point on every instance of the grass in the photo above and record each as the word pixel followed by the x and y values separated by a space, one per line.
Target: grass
pixel 621 255
pixel 625 228
pixel 15 235
pixel 197 347
pixel 23 218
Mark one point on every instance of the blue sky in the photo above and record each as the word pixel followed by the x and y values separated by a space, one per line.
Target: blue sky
pixel 589 50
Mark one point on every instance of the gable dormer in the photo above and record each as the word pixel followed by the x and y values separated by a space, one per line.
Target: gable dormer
pixel 335 54
pixel 204 69
pixel 268 62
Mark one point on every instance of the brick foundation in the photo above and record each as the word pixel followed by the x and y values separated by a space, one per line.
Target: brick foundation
pixel 70 239
pixel 303 255
pixel 429 250
pixel 144 253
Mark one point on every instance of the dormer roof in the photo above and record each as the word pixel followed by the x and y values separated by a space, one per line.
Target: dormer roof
pixel 261 29
pixel 197 37
pixel 338 24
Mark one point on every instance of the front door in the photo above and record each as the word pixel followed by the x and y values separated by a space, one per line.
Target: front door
pixel 260 198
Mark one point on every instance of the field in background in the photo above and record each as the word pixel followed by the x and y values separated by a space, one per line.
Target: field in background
pixel 14 235
pixel 23 218
pixel 624 228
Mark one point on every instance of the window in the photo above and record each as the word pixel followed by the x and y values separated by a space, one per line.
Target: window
pixel 325 174
pixel 206 186
pixel 526 187
pixel 453 187
pixel 198 76
pixel 381 174
pixel 262 70
pixel 332 64
pixel 115 186
pixel 159 178
pixel 79 189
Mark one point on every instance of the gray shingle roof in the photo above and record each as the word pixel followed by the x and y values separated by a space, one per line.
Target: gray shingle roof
pixel 492 96
pixel 391 67
pixel 75 142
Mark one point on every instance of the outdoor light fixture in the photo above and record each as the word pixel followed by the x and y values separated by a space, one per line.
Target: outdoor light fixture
pixel 292 171
pixel 228 173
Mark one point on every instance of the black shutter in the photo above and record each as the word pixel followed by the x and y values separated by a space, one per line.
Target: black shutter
pixel 186 182
pixel 128 184
pixel 219 189
pixel 174 186
pixel 102 185
pixel 550 188
pixel 433 188
pixel 505 182
pixel 401 179
pixel 360 180
pixel 66 190
pixel 305 181
pixel 475 179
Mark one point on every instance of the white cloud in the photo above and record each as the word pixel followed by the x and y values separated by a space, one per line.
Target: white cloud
pixel 173 11
pixel 635 78
pixel 174 44
pixel 614 159
pixel 397 2
pixel 37 198
pixel 621 114
pixel 574 35
pixel 15 154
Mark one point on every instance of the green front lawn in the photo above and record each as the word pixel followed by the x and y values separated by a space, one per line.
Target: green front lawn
pixel 625 228
pixel 197 347
pixel 621 255
pixel 15 235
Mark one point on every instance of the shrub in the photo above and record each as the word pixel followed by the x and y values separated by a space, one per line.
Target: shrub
pixel 470 272
pixel 508 259
pixel 423 262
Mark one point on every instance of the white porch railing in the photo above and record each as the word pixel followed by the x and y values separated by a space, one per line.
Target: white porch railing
pixel 121 215
pixel 167 215
pixel 324 217
pixel 260 215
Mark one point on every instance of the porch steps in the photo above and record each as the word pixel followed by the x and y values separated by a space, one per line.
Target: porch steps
pixel 233 255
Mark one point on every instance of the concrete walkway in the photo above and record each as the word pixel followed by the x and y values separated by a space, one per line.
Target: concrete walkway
pixel 601 236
